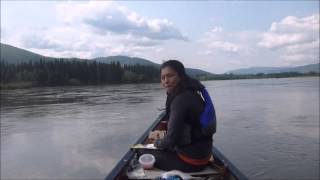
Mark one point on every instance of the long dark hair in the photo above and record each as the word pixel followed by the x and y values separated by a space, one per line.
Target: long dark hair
pixel 186 82
pixel 176 66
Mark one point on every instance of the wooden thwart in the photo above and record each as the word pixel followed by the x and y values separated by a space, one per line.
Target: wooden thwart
pixel 154 173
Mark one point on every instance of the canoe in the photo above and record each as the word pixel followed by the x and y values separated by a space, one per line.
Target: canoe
pixel 221 167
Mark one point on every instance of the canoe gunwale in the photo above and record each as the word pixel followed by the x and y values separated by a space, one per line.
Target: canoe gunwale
pixel 128 156
pixel 231 167
pixel 117 170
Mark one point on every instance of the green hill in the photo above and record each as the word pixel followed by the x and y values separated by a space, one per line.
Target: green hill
pixel 134 60
pixel 269 70
pixel 125 60
pixel 13 54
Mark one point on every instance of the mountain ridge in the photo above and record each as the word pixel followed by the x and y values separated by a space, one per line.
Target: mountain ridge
pixel 124 60
pixel 19 55
pixel 269 70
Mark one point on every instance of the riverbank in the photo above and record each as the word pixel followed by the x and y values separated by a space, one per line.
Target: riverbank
pixel 16 85
pixel 29 84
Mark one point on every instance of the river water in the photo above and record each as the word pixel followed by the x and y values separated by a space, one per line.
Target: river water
pixel 269 128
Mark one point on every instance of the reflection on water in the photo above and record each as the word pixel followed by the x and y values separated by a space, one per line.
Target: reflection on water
pixel 270 127
pixel 264 126
pixel 72 132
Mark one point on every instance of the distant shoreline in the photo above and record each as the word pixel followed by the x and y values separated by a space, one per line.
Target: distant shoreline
pixel 26 84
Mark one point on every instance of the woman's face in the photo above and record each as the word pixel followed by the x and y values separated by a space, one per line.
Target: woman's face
pixel 169 78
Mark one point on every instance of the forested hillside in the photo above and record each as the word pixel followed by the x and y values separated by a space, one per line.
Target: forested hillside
pixel 62 72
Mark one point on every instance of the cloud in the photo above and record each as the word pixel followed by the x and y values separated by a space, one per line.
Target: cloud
pixel 105 17
pixel 309 47
pixel 296 38
pixel 73 42
pixel 276 40
pixel 95 29
pixel 294 24
pixel 302 53
pixel 291 31
pixel 225 46
pixel 3 33
pixel 218 40
pixel 290 42
pixel 36 41
pixel 296 57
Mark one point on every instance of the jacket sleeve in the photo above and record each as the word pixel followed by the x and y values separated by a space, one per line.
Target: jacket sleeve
pixel 178 112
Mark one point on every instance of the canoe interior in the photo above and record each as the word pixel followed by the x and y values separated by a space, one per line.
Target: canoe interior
pixel 224 168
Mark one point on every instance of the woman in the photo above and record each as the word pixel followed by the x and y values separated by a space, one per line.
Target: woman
pixel 185 146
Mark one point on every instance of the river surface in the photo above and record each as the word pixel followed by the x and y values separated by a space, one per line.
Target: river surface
pixel 269 128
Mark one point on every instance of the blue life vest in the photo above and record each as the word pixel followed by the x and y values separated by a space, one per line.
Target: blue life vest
pixel 208 116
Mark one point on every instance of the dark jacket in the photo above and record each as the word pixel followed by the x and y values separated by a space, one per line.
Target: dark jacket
pixel 183 107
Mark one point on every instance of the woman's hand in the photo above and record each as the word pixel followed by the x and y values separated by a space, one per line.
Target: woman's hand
pixel 154 135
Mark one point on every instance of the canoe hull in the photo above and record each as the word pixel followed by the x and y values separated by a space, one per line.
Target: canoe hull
pixel 118 172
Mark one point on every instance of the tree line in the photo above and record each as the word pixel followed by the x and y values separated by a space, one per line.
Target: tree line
pixel 256 76
pixel 58 72
pixel 75 72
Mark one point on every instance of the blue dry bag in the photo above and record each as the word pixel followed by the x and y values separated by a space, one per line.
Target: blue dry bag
pixel 208 116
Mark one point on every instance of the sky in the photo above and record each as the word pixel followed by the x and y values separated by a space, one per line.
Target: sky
pixel 215 36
